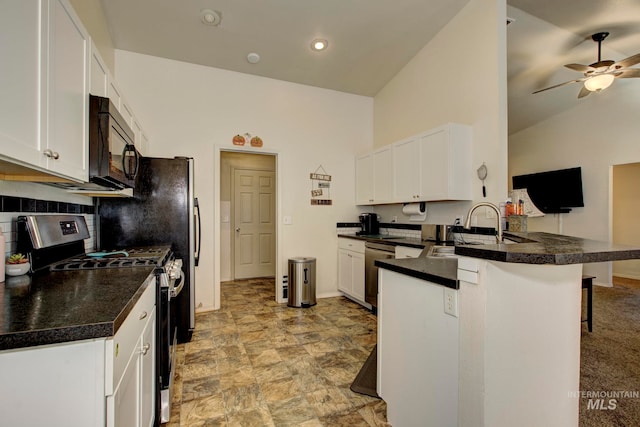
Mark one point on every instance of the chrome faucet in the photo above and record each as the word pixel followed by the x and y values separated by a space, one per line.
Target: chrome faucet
pixel 467 223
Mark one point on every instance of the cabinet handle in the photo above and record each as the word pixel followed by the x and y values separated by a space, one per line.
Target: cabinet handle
pixel 48 153
pixel 56 155
pixel 145 349
pixel 143 315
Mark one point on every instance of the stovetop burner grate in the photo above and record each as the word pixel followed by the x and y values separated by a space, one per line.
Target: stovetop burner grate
pixel 138 257
pixel 95 263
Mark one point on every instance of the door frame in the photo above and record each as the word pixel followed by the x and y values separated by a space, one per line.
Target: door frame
pixel 218 149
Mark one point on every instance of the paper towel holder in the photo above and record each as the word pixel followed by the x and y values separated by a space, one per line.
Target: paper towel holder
pixel 417 216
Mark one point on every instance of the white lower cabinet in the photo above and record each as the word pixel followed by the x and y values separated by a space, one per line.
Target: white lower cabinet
pixel 418 352
pixel 351 268
pixel 90 383
pixel 130 385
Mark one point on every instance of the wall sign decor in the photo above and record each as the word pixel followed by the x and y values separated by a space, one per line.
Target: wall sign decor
pixel 320 187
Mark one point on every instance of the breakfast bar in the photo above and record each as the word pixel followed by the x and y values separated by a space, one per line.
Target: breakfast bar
pixel 514 315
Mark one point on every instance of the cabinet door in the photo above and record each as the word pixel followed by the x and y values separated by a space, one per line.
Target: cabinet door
pixel 115 95
pixel 126 112
pixel 99 81
pixel 357 275
pixel 434 160
pixel 123 405
pixel 20 107
pixel 406 161
pixel 364 180
pixel 383 175
pixel 345 281
pixel 67 95
pixel 147 373
pixel 139 141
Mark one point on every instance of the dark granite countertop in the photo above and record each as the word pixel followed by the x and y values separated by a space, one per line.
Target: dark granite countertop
pixel 390 240
pixel 547 248
pixel 440 270
pixel 66 306
pixel 527 248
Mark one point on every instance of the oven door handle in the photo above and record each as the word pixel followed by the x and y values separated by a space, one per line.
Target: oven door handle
pixel 178 285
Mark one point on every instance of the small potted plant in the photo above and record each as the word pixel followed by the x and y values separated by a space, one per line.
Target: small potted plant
pixel 17 265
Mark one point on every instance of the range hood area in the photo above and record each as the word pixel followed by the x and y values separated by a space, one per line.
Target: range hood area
pixel 93 190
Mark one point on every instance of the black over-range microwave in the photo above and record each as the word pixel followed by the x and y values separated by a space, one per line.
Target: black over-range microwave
pixel 113 158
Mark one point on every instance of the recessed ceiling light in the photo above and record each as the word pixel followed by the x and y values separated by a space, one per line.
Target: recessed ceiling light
pixel 210 17
pixel 253 58
pixel 319 44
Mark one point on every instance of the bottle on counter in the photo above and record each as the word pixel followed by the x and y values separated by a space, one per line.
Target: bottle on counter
pixel 510 208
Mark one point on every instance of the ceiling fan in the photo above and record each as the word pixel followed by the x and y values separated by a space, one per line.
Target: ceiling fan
pixel 601 74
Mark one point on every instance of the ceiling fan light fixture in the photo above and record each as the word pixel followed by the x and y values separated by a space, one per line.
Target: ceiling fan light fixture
pixel 599 82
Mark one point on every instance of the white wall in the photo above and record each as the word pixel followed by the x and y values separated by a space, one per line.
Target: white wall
pixel 190 109
pixel 600 131
pixel 459 76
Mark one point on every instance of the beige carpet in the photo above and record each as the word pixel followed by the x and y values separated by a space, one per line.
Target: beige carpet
pixel 610 358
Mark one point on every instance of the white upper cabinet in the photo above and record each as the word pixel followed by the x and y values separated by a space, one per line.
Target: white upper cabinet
pixel 374 177
pixel 406 162
pixel 44 86
pixel 432 166
pixel 126 112
pixel 115 95
pixel 67 93
pixel 364 180
pixel 383 175
pixel 22 56
pixel 445 163
pixel 99 81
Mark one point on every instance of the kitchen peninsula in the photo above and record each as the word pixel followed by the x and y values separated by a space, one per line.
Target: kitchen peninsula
pixel 500 349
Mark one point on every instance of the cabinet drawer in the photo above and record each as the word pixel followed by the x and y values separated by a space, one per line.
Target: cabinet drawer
pixel 351 244
pixel 123 344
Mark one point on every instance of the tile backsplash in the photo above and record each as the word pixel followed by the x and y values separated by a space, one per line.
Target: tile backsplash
pixel 12 207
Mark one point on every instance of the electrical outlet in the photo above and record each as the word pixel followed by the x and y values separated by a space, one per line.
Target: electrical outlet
pixel 451 302
pixel 458 220
pixel 394 218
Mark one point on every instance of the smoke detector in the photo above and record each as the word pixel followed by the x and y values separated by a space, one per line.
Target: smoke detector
pixel 210 17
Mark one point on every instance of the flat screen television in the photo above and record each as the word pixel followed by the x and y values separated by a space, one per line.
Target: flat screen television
pixel 554 191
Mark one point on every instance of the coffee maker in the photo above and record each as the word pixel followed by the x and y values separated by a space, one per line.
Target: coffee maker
pixel 369 223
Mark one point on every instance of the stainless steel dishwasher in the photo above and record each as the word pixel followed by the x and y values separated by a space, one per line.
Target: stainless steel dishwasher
pixel 372 252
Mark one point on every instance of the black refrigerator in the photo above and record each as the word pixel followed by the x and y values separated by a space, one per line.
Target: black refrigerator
pixel 163 211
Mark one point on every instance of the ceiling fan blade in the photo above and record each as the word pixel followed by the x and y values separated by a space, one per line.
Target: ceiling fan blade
pixel 628 73
pixel 558 85
pixel 628 62
pixel 580 67
pixel 583 92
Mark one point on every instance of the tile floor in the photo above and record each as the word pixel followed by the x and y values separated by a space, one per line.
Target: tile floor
pixel 258 363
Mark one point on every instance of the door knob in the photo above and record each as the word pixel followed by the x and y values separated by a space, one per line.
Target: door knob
pixel 238 229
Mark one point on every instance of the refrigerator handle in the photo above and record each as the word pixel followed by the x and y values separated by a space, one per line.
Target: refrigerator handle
pixel 197 257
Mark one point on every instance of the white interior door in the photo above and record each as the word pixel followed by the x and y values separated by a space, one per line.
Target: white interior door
pixel 254 223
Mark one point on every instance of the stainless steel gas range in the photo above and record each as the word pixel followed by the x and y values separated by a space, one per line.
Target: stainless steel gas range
pixel 56 243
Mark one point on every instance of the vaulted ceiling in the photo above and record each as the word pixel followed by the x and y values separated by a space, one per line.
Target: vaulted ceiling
pixel 371 40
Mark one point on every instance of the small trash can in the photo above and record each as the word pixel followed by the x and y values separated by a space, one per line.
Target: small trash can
pixel 302 282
